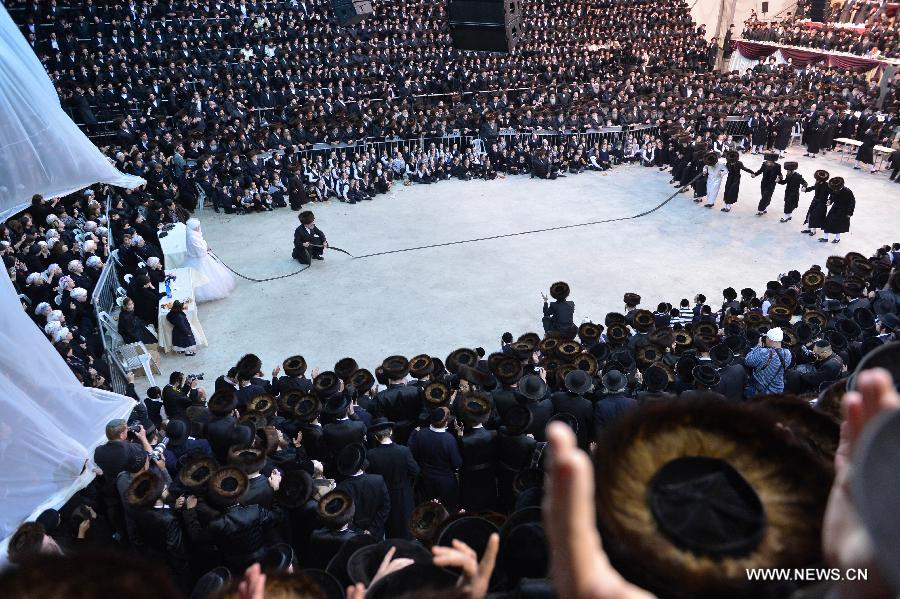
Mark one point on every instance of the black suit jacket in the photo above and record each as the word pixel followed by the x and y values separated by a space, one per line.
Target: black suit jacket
pixel 478 476
pixel 112 457
pixel 732 380
pixel 259 492
pixel 581 409
pixel 341 433
pixel 303 235
pixel 399 470
pixel 176 402
pixel 371 500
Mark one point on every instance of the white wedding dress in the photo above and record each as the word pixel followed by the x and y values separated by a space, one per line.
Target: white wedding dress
pixel 212 281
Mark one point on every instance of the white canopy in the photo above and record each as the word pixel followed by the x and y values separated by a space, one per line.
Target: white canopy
pixel 41 149
pixel 49 423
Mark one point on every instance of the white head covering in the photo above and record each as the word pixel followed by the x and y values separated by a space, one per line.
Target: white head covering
pixel 136 239
pixel 89 225
pixel 51 234
pixel 73 264
pixel 776 335
pixel 63 282
pixel 42 309
pixel 51 327
pixel 94 261
pixel 78 293
pixel 196 245
pixel 61 334
pixel 101 231
pixel 52 218
pixel 152 261
pixel 42 243
pixel 32 278
pixel 89 245
pixel 55 315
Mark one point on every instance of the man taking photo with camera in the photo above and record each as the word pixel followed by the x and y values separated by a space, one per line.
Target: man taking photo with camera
pixel 769 362
pixel 180 394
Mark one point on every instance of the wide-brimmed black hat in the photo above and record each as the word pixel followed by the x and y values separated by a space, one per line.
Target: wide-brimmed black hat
pixel 421 366
pixel 691 493
pixel 345 367
pixel 337 404
pixel 380 424
pixel 601 351
pixel 836 183
pixel 589 333
pixel 295 489
pixel 507 368
pixel 815 317
pixel 437 393
pixel 242 434
pixel 770 156
pixel 517 419
pixel 747 293
pixel 532 387
pixel 365 561
pixel 307 408
pixel 144 489
pixel 643 320
pixel 336 507
pixel 361 380
pixel 196 471
pixel 578 382
pixel 350 459
pixel 248 459
pixel 257 419
pixel 732 156
pixel 648 354
pixel 463 356
pixel 474 531
pixel 617 334
pixel 395 367
pixel 227 484
pixel 222 403
pixel 655 378
pixel 821 175
pixel 294 366
pixel 631 299
pixel 854 287
pixel 711 158
pixel 530 339
pixel 264 404
pixel 780 314
pixel 474 407
pixel 662 337
pixel 614 318
pixel 587 363
pixel 813 280
pixel 326 384
pixel 705 375
pixel 835 264
pixel 568 349
pixel 426 520
pixel 683 340
pixel 337 565
pixel 559 290
pixel 211 583
pixel 721 355
pixel 277 558
pixel 848 328
pixel 790 165
pixel 614 381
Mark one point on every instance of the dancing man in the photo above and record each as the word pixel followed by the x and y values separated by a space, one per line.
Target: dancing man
pixel 733 182
pixel 843 203
pixel 792 181
pixel 771 173
pixel 818 208
pixel 715 170
pixel 309 241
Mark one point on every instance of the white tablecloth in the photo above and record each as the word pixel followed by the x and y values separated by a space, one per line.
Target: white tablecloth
pixel 182 289
pixel 174 247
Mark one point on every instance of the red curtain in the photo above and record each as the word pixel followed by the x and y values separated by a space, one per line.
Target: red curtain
pixel 853 64
pixel 755 51
pixel 801 58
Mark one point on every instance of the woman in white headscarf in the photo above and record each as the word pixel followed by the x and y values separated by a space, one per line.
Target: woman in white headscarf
pixel 214 280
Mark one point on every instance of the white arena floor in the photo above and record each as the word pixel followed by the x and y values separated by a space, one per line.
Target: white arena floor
pixel 435 300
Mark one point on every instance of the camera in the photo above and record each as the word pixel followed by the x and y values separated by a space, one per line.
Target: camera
pixel 195 377
pixel 134 429
pixel 159 449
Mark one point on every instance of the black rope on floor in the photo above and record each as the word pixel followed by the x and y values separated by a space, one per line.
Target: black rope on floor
pixel 548 229
pixel 448 243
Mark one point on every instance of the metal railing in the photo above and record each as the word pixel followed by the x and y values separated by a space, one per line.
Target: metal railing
pixel 104 302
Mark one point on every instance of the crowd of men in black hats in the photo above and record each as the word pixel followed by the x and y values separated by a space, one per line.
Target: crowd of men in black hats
pixel 204 93
pixel 879 38
pixel 329 470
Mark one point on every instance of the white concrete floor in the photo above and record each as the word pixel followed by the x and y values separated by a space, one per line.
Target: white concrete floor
pixel 435 300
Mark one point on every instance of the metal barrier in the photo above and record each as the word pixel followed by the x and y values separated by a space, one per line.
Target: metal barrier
pixel 104 302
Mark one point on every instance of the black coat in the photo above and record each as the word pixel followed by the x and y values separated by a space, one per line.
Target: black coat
pixel 182 335
pixel 783 129
pixel 514 454
pixel 146 304
pixel 581 409
pixel 558 318
pixel 259 492
pixel 818 208
pixel 399 470
pixel 303 235
pixel 541 411
pixel 324 544
pixel 732 380
pixel 162 539
pixel 843 203
pixel 609 409
pixel 176 401
pixel 371 500
pixel 733 181
pixel 478 477
pixel 240 534
pixel 341 433
pixel 814 134
pixel 218 433
pixel 134 329
pixel 792 182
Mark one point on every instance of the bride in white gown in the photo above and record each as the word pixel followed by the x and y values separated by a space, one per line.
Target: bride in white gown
pixel 214 281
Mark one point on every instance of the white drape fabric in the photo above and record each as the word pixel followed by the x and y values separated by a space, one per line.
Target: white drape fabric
pixel 49 423
pixel 740 63
pixel 41 149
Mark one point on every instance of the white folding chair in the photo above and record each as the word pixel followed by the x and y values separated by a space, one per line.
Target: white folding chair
pixel 134 356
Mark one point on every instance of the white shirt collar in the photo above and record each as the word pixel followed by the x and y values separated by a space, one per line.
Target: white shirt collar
pixel 438 430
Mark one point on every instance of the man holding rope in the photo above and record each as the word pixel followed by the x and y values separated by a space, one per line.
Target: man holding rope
pixel 309 241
